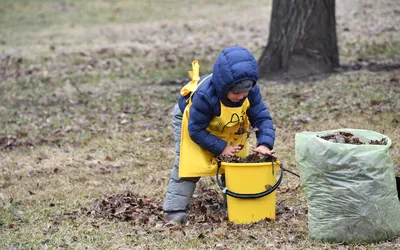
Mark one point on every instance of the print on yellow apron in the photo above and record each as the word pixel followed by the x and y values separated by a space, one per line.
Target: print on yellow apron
pixel 231 126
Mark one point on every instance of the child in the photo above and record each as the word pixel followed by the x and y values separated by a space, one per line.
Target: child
pixel 211 118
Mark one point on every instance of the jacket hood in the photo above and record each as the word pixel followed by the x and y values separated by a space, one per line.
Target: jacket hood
pixel 233 65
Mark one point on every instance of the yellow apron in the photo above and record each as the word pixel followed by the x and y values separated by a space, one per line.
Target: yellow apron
pixel 231 126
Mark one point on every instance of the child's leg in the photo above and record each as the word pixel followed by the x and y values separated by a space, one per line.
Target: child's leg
pixel 180 190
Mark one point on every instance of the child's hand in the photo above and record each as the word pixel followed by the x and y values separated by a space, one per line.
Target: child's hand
pixel 265 151
pixel 230 150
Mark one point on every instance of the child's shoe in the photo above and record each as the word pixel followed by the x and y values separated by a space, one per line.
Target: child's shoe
pixel 176 218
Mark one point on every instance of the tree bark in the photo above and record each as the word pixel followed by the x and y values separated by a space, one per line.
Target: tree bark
pixel 302 39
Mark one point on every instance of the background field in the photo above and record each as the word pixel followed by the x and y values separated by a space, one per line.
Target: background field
pixel 86 94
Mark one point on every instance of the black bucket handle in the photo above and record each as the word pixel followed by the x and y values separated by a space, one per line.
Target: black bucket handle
pixel 249 196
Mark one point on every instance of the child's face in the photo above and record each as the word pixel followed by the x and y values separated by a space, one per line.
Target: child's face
pixel 236 97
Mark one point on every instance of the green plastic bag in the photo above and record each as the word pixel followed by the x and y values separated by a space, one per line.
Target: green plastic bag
pixel 350 189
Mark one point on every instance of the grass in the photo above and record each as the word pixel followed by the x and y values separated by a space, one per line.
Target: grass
pixel 87 92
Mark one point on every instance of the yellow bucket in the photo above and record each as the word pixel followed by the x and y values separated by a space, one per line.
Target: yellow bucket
pixel 250 190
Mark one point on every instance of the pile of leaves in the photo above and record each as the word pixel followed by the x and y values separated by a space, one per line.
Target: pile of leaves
pixel 251 158
pixel 382 141
pixel 126 206
pixel 348 138
pixel 207 206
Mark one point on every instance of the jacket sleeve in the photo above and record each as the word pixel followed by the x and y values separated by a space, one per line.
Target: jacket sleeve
pixel 260 118
pixel 201 113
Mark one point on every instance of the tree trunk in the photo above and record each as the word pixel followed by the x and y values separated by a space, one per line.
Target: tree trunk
pixel 302 39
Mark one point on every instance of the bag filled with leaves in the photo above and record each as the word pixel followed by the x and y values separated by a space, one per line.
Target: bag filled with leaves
pixel 350 187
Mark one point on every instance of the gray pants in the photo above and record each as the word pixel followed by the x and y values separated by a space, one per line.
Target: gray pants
pixel 180 190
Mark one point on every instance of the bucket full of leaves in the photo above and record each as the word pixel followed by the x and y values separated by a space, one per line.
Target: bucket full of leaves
pixel 249 185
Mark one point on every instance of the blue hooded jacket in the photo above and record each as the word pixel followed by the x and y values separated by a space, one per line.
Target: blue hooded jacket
pixel 233 65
